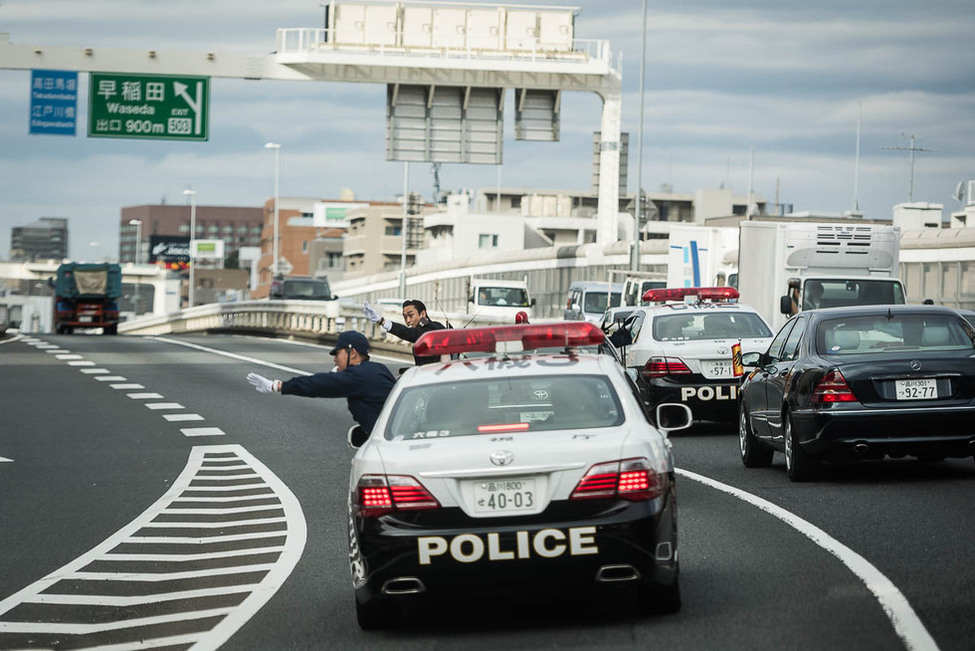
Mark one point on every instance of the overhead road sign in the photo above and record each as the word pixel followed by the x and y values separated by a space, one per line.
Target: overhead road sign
pixel 53 102
pixel 156 107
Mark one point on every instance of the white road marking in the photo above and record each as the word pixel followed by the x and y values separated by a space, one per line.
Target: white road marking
pixel 111 378
pixel 162 405
pixel 202 431
pixel 907 624
pixel 81 363
pixel 55 351
pixel 182 417
pixel 94 371
pixel 257 582
pixel 2 459
pixel 244 358
pixel 145 396
pixel 65 356
pixel 127 386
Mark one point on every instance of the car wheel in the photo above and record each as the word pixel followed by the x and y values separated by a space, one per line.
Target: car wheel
pixel 799 465
pixel 375 614
pixel 661 600
pixel 754 453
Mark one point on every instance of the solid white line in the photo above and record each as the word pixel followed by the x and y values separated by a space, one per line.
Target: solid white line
pixel 236 498
pixel 164 405
pixel 182 558
pixel 244 358
pixel 243 475
pixel 174 641
pixel 212 525
pixel 223 511
pixel 907 624
pixel 145 396
pixel 182 417
pixel 202 540
pixel 225 489
pixel 159 577
pixel 84 629
pixel 127 387
pixel 202 431
pixel 107 600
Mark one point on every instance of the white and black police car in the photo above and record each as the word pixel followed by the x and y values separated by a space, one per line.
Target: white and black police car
pixel 682 348
pixel 532 466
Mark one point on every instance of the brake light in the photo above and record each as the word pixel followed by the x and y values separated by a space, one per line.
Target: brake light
pixel 630 479
pixel 832 388
pixel 684 293
pixel 509 427
pixel 381 494
pixel 509 337
pixel 664 366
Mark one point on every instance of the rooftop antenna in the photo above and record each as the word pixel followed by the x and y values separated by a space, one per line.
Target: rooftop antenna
pixel 856 161
pixel 912 149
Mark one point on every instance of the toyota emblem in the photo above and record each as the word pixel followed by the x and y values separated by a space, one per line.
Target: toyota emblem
pixel 502 457
pixel 722 350
pixel 915 365
pixel 541 394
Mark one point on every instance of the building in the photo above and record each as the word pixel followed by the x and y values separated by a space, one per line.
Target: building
pixel 45 239
pixel 237 226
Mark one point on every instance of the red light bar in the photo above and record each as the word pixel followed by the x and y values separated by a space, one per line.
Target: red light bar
pixel 682 293
pixel 531 337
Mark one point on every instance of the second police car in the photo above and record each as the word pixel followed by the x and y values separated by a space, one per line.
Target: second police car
pixel 517 469
pixel 681 347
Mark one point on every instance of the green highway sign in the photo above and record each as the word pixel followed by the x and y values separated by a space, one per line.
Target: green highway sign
pixel 158 107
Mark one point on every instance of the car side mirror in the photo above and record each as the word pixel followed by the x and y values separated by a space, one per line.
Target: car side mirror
pixel 672 416
pixel 357 437
pixel 532 303
pixel 576 308
pixel 785 304
pixel 751 359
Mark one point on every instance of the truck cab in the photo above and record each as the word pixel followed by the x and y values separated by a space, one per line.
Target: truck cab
pixel 498 299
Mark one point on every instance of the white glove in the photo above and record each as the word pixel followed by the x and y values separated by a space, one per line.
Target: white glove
pixel 370 312
pixel 261 383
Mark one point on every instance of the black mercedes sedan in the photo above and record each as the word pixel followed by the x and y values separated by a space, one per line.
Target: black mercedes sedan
pixel 863 382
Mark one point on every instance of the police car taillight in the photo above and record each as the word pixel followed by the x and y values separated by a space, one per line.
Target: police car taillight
pixel 381 494
pixel 629 479
pixel 683 294
pixel 509 338
pixel 664 366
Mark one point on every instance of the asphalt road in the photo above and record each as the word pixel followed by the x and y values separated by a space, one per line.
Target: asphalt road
pixel 86 469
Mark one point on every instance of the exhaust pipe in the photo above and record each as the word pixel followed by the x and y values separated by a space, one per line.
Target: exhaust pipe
pixel 403 585
pixel 617 574
pixel 861 447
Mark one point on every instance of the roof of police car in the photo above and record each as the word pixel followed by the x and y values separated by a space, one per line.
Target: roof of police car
pixel 575 361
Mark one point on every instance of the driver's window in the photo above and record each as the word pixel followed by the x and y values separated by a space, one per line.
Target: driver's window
pixel 791 349
pixel 775 348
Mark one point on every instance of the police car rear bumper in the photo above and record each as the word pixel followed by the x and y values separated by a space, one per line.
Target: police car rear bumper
pixel 707 399
pixel 629 543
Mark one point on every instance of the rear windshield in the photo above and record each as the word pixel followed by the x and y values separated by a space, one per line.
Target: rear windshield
pixel 907 332
pixel 502 296
pixel 595 301
pixel 700 326
pixel 307 289
pixel 510 405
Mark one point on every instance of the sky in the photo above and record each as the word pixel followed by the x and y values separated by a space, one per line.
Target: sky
pixel 781 83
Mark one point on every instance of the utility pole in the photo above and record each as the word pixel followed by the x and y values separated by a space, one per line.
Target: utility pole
pixel 912 149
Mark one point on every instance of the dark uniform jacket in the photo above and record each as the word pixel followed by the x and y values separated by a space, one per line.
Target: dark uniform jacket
pixel 365 386
pixel 412 334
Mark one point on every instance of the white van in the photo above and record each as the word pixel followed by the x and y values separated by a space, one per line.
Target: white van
pixel 498 299
pixel 587 300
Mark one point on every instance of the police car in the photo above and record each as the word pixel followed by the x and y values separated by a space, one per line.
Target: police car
pixel 683 343
pixel 518 468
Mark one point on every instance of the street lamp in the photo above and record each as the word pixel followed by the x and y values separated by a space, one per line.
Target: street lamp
pixel 192 195
pixel 138 247
pixel 277 184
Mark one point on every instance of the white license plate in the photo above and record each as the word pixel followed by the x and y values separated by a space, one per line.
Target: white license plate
pixel 505 495
pixel 85 319
pixel 716 368
pixel 530 416
pixel 916 389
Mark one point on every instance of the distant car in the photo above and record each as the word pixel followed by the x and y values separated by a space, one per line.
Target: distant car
pixel 301 288
pixel 860 383
pixel 682 347
pixel 587 300
pixel 517 469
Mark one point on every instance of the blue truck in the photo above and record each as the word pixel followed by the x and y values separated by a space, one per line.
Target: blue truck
pixel 86 296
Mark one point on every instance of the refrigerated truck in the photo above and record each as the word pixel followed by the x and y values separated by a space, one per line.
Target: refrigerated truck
pixel 786 267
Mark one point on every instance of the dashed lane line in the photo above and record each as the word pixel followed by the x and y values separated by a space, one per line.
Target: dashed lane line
pixel 907 625
pixel 191 570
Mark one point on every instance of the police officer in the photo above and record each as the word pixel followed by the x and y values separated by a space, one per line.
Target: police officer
pixel 363 383
pixel 417 323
